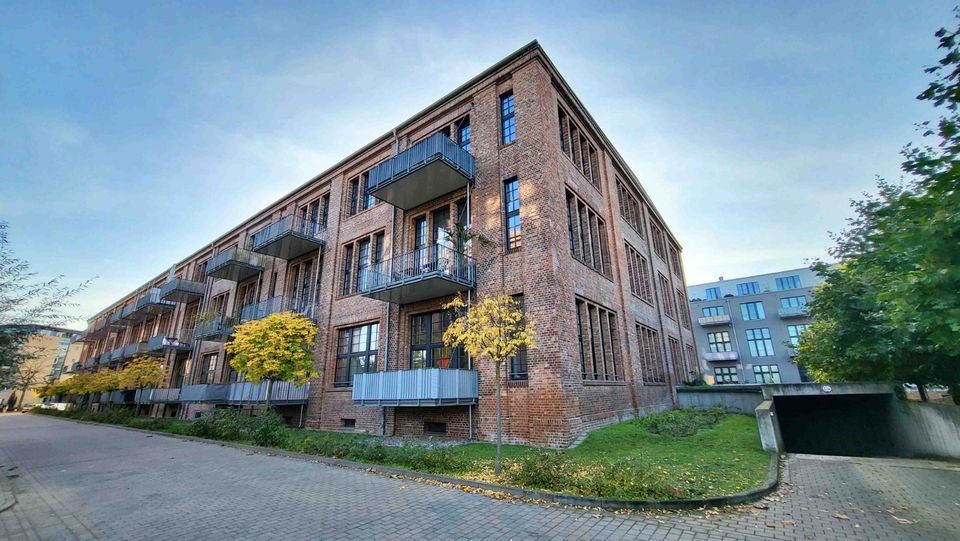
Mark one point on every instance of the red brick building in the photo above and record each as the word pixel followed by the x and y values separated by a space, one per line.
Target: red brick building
pixel 505 185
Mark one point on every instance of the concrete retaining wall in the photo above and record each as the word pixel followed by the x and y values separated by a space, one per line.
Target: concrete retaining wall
pixel 734 398
pixel 925 429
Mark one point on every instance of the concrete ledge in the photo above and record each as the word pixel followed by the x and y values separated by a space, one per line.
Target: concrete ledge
pixel 773 478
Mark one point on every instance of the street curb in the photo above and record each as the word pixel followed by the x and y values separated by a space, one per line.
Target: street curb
pixel 7 498
pixel 771 484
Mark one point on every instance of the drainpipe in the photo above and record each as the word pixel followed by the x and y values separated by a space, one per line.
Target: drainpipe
pixel 386 326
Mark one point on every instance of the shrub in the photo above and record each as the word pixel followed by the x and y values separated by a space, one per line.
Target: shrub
pixel 268 430
pixel 682 422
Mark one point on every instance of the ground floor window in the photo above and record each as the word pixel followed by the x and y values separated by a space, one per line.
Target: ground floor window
pixel 427 349
pixel 518 363
pixel 356 353
pixel 599 342
pixel 208 368
pixel 726 374
pixel 766 373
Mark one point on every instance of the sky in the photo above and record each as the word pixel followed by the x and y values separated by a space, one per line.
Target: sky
pixel 751 125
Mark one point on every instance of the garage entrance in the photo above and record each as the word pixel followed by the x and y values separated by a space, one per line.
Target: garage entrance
pixel 846 425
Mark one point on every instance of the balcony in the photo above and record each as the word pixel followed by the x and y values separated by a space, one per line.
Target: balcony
pixel 276 305
pixel 721 356
pixel 132 350
pixel 205 392
pixel 429 169
pixel 115 355
pixel 161 343
pixel 165 395
pixel 182 290
pixel 215 330
pixel 92 361
pixel 283 392
pixel 235 264
pixel 428 273
pixel 288 238
pixel 104 358
pixel 420 387
pixel 710 321
pixel 790 312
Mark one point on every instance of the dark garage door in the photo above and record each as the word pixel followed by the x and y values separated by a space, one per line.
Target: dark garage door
pixel 848 425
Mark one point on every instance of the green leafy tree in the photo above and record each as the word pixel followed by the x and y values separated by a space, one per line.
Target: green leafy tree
pixel 278 347
pixel 890 310
pixel 142 372
pixel 493 327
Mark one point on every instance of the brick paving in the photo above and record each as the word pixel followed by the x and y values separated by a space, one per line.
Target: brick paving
pixel 75 481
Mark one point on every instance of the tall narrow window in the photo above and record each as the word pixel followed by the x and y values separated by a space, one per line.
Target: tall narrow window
pixel 511 206
pixel 463 134
pixel 208 368
pixel 347 270
pixel 363 261
pixel 368 200
pixel 324 210
pixel 420 256
pixel 354 196
pixel 518 363
pixel 508 120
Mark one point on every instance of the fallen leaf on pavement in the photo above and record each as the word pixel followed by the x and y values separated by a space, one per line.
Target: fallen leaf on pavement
pixel 761 506
pixel 841 516
pixel 789 522
pixel 902 520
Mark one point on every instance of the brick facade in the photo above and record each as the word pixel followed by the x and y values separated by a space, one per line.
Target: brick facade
pixel 555 403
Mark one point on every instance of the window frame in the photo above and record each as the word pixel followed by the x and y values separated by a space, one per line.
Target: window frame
pixel 758 310
pixel 754 341
pixel 508 118
pixel 512 242
pixel 343 361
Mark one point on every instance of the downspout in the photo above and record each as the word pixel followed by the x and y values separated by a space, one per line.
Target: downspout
pixel 386 325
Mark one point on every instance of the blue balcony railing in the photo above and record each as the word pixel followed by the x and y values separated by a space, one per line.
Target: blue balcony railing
pixel 235 264
pixel 419 387
pixel 283 392
pixel 289 237
pixel 276 305
pixel 182 290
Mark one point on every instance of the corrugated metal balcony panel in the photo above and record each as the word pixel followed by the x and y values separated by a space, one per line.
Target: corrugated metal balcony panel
pixel 426 171
pixel 429 273
pixel 115 355
pixel 793 311
pixel 91 361
pixel 284 392
pixel 134 349
pixel 215 330
pixel 143 396
pixel 721 356
pixel 104 398
pixel 235 264
pixel 104 358
pixel 182 290
pixel 165 395
pixel 289 237
pixel 205 392
pixel 420 387
pixel 709 321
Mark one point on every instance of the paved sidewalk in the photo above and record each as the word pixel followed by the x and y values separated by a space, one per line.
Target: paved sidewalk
pixel 76 481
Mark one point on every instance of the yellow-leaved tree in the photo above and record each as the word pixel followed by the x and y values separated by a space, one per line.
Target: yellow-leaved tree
pixel 278 347
pixel 494 327
pixel 104 381
pixel 142 372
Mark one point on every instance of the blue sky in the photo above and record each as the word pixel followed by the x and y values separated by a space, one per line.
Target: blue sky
pixel 119 118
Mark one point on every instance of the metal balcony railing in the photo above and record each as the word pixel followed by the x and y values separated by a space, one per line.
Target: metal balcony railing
pixel 429 169
pixel 708 321
pixel 182 290
pixel 289 237
pixel 161 342
pixel 419 387
pixel 116 354
pixel 152 302
pixel 204 392
pixel 721 356
pixel 283 392
pixel 134 349
pixel 91 361
pixel 276 305
pixel 792 312
pixel 426 273
pixel 104 358
pixel 235 264
pixel 218 329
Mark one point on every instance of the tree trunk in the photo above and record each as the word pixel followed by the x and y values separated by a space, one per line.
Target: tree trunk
pixel 496 466
pixel 269 392
pixel 23 393
pixel 922 391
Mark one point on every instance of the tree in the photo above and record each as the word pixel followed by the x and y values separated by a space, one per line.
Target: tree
pixel 278 347
pixel 26 299
pixel 104 381
pixel 29 372
pixel 142 372
pixel 493 327
pixel 890 310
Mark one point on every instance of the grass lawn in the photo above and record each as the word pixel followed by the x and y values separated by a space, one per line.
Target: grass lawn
pixel 679 454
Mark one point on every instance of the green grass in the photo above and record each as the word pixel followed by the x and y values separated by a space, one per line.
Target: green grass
pixel 678 454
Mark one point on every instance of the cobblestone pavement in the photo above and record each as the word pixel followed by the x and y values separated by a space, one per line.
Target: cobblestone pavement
pixel 76 481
